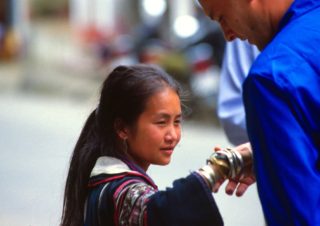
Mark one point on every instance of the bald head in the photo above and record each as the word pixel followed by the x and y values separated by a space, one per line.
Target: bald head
pixel 253 20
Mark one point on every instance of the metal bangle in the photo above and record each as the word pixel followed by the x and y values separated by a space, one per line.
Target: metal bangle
pixel 209 174
pixel 229 162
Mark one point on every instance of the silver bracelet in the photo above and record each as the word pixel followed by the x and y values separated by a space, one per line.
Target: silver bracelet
pixel 225 163
pixel 209 174
pixel 229 161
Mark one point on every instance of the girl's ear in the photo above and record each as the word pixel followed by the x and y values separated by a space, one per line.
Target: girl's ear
pixel 121 129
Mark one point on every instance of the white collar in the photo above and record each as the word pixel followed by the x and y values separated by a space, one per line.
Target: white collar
pixel 109 165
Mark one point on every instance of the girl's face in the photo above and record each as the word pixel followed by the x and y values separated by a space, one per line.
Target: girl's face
pixel 157 131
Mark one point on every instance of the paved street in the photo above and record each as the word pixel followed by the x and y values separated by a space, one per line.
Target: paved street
pixel 37 135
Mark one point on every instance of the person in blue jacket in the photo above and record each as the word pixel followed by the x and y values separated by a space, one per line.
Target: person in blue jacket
pixel 282 101
pixel 138 123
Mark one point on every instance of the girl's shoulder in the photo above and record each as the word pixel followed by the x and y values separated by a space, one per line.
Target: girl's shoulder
pixel 109 169
pixel 107 191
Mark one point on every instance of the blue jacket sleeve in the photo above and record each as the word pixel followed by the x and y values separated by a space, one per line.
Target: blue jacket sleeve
pixel 188 203
pixel 285 155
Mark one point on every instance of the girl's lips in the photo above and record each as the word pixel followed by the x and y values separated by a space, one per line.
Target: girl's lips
pixel 168 150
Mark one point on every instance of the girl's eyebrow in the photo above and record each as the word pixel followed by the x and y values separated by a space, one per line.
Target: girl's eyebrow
pixel 165 115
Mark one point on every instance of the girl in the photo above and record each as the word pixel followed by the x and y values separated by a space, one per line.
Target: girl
pixel 137 123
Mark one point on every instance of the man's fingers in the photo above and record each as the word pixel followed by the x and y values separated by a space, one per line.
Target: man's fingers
pixel 244 184
pixel 239 186
pixel 241 189
pixel 231 187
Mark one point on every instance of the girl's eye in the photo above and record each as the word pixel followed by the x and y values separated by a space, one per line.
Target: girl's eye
pixel 177 122
pixel 161 122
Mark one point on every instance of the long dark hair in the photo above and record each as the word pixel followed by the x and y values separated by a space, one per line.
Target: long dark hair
pixel 123 96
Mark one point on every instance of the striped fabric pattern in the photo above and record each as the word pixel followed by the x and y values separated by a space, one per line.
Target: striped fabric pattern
pixel 131 200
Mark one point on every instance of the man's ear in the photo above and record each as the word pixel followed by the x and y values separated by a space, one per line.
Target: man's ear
pixel 121 129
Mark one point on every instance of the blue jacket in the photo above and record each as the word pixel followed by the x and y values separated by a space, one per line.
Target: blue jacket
pixel 282 103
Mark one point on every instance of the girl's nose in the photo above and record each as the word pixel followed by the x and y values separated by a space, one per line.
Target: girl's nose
pixel 172 134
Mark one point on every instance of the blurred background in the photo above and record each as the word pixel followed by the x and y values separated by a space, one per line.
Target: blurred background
pixel 54 56
pixel 45 44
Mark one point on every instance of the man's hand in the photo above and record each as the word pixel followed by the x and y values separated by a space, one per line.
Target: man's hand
pixel 246 178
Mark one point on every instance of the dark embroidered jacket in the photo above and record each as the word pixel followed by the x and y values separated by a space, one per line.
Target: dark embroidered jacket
pixel 122 194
